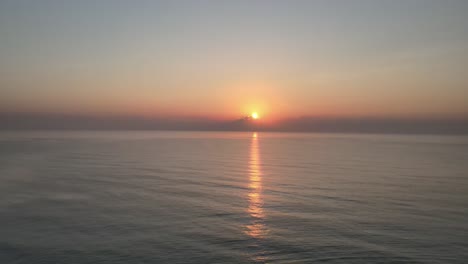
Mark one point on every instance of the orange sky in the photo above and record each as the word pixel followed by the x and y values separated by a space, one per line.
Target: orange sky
pixel 287 60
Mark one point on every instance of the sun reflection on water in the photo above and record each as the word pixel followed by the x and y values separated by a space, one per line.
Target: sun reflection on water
pixel 256 228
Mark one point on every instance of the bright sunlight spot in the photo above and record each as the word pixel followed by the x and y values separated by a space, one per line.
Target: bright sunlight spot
pixel 255 115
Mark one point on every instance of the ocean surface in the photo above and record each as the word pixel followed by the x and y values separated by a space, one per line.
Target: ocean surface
pixel 228 197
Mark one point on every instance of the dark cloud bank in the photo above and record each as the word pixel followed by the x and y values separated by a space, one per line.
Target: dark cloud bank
pixel 31 121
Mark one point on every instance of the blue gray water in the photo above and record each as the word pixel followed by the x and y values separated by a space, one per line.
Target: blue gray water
pixel 206 197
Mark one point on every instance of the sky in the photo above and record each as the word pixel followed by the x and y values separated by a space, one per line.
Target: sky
pixel 399 59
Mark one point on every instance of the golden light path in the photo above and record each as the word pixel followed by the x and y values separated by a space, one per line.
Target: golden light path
pixel 256 228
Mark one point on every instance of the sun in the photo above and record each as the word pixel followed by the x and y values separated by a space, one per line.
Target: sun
pixel 255 115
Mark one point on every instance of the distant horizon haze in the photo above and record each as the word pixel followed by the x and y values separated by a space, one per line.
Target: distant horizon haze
pixel 339 124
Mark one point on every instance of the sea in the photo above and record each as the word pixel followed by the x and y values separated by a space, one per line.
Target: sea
pixel 232 197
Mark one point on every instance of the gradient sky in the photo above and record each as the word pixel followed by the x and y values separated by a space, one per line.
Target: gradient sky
pixel 222 59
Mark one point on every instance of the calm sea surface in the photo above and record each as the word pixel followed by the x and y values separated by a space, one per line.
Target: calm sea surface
pixel 209 197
